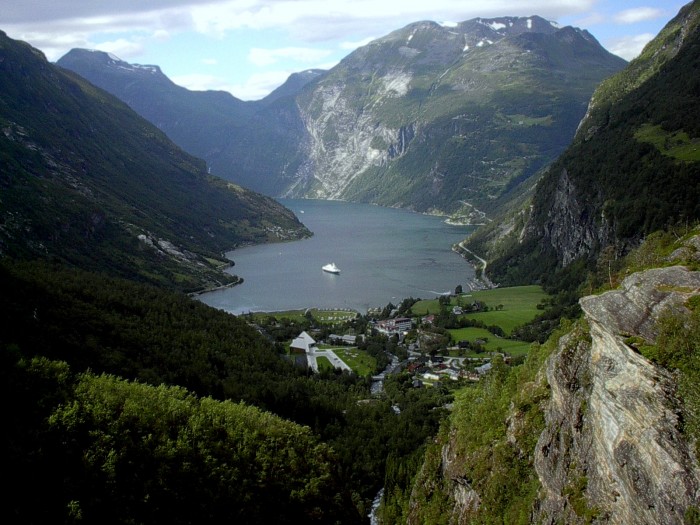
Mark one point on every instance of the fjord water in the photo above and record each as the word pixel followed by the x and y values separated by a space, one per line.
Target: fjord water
pixel 384 254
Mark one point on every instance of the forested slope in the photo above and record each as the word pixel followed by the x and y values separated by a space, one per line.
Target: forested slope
pixel 86 180
pixel 632 169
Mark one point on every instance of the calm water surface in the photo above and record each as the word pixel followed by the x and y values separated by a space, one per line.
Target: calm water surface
pixel 384 254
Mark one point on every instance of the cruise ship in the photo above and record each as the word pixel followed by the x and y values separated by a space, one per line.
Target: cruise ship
pixel 331 268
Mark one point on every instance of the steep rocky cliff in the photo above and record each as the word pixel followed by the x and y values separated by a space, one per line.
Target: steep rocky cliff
pixel 593 432
pixel 612 447
pixel 633 165
pixel 437 118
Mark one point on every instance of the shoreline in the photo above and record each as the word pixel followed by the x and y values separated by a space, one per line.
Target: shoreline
pixel 463 251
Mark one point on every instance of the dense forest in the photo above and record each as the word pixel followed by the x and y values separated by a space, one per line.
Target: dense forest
pixel 144 405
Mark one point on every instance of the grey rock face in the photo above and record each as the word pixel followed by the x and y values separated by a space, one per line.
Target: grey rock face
pixel 612 448
pixel 570 228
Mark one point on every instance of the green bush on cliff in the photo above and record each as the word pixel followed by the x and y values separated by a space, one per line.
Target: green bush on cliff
pixel 493 431
pixel 678 349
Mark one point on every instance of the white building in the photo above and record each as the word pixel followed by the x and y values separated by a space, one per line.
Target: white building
pixel 303 343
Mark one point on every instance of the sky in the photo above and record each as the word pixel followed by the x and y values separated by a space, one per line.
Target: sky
pixel 250 47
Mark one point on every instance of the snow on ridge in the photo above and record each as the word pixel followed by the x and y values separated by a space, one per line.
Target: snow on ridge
pixel 449 24
pixel 496 26
pixel 554 24
pixel 151 69
pixel 114 57
pixel 529 23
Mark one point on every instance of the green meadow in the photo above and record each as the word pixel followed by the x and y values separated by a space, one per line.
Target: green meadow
pixel 324 316
pixel 507 307
pixel 361 362
pixel 493 343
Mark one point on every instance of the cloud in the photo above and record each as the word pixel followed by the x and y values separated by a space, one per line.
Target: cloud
pixel 161 35
pixel 64 24
pixel 629 47
pixel 121 47
pixel 639 14
pixel 259 85
pixel 210 61
pixel 200 82
pixel 42 11
pixel 255 87
pixel 590 19
pixel 351 46
pixel 266 57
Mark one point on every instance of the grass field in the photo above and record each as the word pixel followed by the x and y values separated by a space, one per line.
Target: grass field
pixel 322 316
pixel 517 304
pixel 361 363
pixel 493 343
pixel 324 363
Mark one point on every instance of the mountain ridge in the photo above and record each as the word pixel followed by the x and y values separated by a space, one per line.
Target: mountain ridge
pixel 86 180
pixel 629 171
pixel 364 130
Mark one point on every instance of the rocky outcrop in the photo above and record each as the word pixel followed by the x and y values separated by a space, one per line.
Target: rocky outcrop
pixel 612 449
pixel 342 142
pixel 466 499
pixel 572 226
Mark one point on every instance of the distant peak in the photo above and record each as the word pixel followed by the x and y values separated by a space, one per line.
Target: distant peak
pixel 105 58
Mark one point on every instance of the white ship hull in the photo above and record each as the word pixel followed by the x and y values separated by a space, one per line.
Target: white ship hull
pixel 331 268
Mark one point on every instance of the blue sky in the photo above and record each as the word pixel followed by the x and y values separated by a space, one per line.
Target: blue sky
pixel 249 47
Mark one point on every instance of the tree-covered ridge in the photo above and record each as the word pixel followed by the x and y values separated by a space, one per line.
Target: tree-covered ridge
pixel 148 335
pixel 633 171
pixel 87 180
pixel 654 56
pixel 632 182
pixel 115 451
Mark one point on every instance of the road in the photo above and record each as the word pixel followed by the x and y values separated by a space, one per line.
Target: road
pixel 336 361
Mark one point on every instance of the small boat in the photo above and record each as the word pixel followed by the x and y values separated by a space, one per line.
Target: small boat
pixel 331 268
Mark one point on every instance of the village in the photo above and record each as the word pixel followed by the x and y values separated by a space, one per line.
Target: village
pixel 451 339
pixel 425 369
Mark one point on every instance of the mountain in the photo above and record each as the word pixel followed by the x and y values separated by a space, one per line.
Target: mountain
pixel 294 84
pixel 429 117
pixel 241 141
pixel 434 118
pixel 87 181
pixel 631 170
